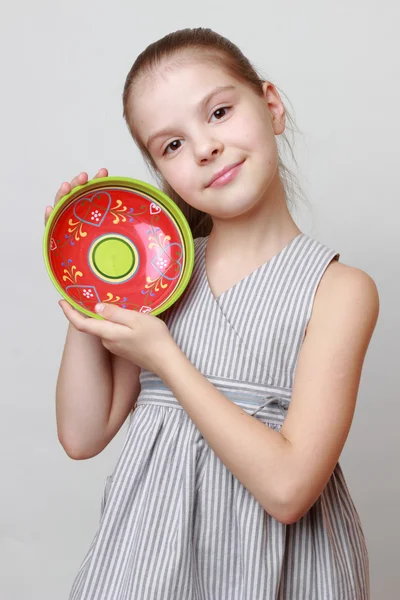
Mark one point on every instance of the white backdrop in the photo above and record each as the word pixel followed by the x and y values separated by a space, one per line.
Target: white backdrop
pixel 63 66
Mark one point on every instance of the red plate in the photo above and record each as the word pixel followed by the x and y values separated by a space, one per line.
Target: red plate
pixel 120 241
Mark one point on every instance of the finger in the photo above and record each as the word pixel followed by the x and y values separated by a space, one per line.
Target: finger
pixel 116 314
pixel 80 179
pixel 47 213
pixel 101 173
pixel 63 190
pixel 67 187
pixel 102 329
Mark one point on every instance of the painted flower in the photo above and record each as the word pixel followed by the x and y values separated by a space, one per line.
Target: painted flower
pixel 87 293
pixel 96 215
pixel 162 263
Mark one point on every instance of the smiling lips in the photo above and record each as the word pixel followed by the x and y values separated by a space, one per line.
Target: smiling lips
pixel 225 175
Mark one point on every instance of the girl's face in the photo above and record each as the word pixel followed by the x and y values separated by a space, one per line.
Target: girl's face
pixel 196 121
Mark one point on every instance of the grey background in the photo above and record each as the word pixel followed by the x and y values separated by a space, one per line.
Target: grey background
pixel 63 65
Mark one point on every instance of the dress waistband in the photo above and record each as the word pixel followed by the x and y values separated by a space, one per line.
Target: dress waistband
pixel 266 402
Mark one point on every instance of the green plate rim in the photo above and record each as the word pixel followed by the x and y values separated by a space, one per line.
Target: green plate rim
pixel 157 195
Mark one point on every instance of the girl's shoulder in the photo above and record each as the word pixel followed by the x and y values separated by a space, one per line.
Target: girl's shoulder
pixel 341 289
pixel 349 290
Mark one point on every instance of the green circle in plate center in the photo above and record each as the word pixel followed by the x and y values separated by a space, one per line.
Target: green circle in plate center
pixel 113 258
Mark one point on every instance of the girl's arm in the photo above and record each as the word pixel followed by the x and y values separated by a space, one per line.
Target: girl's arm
pixel 95 393
pixel 95 389
pixel 286 471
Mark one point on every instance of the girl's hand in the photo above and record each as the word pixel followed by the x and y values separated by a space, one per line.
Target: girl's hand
pixel 66 188
pixel 140 338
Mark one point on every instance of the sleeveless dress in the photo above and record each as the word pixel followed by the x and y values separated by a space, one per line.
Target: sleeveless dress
pixel 175 523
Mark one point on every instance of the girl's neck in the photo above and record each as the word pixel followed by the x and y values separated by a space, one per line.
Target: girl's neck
pixel 266 229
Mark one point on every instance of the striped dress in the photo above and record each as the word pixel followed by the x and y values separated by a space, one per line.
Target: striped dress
pixel 175 523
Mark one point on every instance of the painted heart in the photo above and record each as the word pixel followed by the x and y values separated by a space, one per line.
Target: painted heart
pixel 92 210
pixel 154 209
pixel 145 309
pixel 164 263
pixel 53 244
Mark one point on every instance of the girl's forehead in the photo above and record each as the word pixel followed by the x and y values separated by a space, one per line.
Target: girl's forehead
pixel 192 75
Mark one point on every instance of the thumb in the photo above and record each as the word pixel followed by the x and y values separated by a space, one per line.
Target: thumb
pixel 116 314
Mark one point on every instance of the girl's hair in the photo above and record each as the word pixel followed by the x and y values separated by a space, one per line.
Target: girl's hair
pixel 216 49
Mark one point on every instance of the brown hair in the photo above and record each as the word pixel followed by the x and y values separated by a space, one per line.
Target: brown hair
pixel 215 48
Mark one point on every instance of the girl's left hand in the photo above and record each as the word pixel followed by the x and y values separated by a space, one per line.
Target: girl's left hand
pixel 141 338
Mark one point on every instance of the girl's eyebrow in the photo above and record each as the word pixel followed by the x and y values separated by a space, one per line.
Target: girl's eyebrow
pixel 201 105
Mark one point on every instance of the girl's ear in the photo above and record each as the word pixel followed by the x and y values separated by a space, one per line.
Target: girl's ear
pixel 275 107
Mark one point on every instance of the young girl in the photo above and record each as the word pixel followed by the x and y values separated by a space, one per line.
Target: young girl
pixel 228 486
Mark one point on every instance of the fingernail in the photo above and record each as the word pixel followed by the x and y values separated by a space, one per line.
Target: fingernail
pixel 99 308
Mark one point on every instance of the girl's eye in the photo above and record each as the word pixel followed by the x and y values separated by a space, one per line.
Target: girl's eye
pixel 176 144
pixel 172 146
pixel 220 112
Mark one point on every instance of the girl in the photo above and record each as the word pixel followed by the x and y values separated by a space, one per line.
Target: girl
pixel 242 395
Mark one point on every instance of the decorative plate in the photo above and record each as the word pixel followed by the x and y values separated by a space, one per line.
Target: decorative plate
pixel 119 241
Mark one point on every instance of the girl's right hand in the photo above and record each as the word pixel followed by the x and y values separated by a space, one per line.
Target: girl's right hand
pixel 66 188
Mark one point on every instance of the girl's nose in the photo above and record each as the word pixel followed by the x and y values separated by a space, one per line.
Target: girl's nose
pixel 208 149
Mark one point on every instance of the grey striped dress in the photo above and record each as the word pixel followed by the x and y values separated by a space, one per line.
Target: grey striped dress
pixel 175 523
